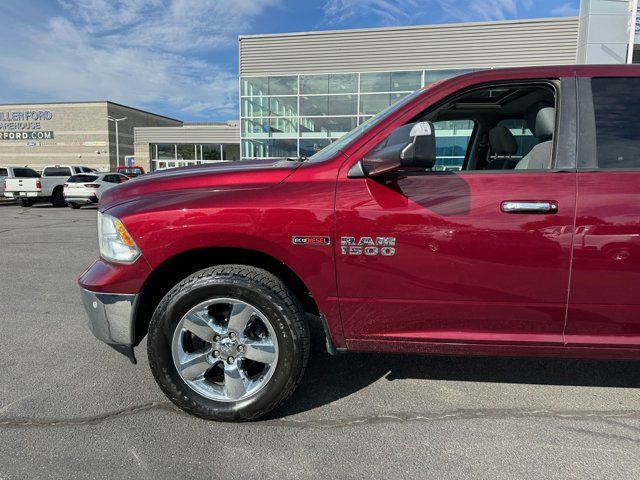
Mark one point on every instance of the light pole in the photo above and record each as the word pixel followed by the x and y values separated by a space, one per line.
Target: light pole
pixel 116 120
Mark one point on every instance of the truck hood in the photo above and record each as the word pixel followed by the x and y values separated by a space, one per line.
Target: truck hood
pixel 238 175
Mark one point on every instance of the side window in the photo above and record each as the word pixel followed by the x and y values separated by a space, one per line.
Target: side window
pixel 497 128
pixel 123 178
pixel 452 142
pixel 617 107
pixel 3 172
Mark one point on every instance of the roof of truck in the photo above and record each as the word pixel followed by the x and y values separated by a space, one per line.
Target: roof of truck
pixel 553 71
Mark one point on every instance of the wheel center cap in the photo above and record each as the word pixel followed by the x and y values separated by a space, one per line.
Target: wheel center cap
pixel 227 346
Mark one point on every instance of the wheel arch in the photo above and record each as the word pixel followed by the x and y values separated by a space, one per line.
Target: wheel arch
pixel 172 270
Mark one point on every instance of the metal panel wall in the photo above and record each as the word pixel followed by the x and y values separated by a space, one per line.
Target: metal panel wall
pixel 487 44
pixel 189 134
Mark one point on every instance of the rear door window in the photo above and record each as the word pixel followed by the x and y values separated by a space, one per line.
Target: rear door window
pixel 3 172
pixel 57 172
pixel 617 108
pixel 25 173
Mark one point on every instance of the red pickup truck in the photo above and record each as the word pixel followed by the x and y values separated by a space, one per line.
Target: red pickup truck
pixel 531 248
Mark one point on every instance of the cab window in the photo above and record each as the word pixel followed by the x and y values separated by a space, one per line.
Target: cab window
pixel 497 129
pixel 57 172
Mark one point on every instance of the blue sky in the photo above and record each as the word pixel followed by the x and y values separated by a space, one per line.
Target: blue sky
pixel 180 57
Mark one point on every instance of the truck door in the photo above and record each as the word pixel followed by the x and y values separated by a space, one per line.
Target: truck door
pixel 472 256
pixel 604 308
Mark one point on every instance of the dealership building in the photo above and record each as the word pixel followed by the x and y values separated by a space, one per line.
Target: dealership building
pixel 300 91
pixel 78 133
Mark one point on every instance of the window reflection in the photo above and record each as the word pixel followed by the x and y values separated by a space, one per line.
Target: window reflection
pixel 269 148
pixel 321 105
pixel 231 151
pixel 311 147
pixel 211 152
pixel 314 84
pixel 186 152
pixel 333 127
pixel 406 81
pixel 283 85
pixel 166 151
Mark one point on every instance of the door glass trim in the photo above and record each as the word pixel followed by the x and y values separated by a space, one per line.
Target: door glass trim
pixel 586 145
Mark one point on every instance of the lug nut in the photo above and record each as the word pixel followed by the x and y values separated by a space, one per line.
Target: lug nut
pixel 217 338
pixel 241 348
pixel 216 353
pixel 230 360
pixel 232 335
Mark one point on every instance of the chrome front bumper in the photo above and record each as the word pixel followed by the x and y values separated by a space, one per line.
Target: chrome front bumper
pixel 111 319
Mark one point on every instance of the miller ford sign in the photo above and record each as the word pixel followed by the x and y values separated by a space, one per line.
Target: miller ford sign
pixel 34 135
pixel 25 125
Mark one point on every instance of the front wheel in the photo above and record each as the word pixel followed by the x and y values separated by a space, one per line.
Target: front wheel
pixel 228 343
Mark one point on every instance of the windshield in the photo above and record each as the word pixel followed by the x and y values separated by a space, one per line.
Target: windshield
pixel 330 150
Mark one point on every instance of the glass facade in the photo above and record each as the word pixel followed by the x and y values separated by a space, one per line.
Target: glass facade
pixel 170 155
pixel 291 115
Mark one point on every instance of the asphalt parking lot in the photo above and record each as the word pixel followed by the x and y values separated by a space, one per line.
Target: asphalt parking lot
pixel 70 407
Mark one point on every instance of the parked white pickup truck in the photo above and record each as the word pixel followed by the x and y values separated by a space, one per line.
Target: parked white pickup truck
pixel 15 172
pixel 49 187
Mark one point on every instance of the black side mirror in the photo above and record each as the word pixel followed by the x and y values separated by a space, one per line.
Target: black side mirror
pixel 410 146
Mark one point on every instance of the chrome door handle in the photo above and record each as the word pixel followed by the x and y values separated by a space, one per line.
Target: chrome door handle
pixel 524 206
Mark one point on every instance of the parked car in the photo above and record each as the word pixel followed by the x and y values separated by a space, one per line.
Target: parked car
pixel 131 171
pixel 15 172
pixel 88 187
pixel 49 187
pixel 224 267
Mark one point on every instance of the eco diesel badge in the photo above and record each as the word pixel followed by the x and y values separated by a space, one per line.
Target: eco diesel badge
pixel 313 240
pixel 369 246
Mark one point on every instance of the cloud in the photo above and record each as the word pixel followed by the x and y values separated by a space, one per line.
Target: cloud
pixel 338 11
pixel 390 12
pixel 155 54
pixel 177 25
pixel 565 10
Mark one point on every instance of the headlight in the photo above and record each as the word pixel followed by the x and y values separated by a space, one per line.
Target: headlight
pixel 116 244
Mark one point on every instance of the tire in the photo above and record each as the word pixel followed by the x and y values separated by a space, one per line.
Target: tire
pixel 618 253
pixel 276 314
pixel 73 205
pixel 26 202
pixel 57 198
